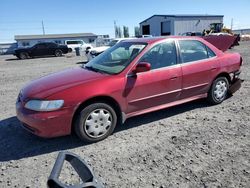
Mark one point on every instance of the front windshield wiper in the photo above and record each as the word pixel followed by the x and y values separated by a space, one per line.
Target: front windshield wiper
pixel 93 69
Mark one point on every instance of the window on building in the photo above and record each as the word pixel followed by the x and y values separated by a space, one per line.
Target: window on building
pixel 145 30
pixel 161 55
pixel 70 42
pixel 91 40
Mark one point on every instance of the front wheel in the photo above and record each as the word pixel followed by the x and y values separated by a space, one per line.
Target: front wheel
pixel 95 122
pixel 218 91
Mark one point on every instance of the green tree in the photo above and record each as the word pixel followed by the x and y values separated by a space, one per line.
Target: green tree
pixel 137 31
pixel 118 32
pixel 125 31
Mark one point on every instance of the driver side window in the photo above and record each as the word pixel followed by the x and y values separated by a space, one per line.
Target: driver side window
pixel 161 55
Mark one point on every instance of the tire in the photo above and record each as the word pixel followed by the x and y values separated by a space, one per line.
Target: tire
pixel 23 55
pixel 95 122
pixel 58 53
pixel 218 91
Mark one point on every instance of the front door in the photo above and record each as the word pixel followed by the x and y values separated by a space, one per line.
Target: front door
pixel 40 50
pixel 160 85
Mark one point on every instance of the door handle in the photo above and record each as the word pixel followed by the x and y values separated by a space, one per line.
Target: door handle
pixel 174 78
pixel 213 68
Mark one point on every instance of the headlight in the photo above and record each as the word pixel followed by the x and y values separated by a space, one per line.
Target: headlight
pixel 39 105
pixel 93 52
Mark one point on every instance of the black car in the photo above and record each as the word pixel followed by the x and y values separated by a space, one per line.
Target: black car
pixel 41 49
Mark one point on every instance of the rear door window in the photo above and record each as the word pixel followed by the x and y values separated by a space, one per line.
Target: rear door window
pixel 193 50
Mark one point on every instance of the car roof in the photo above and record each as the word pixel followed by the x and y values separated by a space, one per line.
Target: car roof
pixel 151 40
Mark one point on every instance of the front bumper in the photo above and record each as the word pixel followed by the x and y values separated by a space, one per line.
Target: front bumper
pixel 45 124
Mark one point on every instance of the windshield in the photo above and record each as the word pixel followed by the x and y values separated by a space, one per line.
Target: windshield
pixel 112 42
pixel 117 58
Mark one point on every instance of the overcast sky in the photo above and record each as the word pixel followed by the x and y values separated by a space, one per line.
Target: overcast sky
pixel 20 17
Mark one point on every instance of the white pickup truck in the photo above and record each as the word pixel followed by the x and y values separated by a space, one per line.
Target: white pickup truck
pixel 93 52
pixel 72 44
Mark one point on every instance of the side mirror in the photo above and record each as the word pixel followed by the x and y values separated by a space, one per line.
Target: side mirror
pixel 142 67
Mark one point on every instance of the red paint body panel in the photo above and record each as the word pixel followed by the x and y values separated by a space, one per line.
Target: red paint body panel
pixel 138 94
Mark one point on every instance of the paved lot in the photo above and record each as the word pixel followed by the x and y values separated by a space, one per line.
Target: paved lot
pixel 191 145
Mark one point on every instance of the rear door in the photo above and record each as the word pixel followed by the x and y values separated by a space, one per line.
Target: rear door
pixel 51 47
pixel 198 64
pixel 160 85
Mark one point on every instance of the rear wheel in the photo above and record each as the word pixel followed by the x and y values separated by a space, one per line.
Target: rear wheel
pixel 218 91
pixel 23 55
pixel 95 122
pixel 58 53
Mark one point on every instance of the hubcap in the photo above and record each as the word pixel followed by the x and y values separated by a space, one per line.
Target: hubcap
pixel 220 90
pixel 98 123
pixel 23 56
pixel 58 53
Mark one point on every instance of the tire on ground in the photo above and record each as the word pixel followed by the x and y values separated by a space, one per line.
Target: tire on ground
pixel 218 91
pixel 89 120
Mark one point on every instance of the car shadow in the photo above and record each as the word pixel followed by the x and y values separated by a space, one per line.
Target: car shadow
pixel 38 57
pixel 82 62
pixel 16 143
pixel 161 114
pixel 12 59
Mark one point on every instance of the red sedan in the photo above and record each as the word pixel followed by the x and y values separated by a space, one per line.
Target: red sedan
pixel 131 78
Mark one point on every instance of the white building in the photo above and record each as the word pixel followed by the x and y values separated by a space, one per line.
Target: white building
pixel 30 40
pixel 7 48
pixel 160 25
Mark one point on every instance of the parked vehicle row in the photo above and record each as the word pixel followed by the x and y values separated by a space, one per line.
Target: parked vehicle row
pixel 41 49
pixel 50 49
pixel 131 78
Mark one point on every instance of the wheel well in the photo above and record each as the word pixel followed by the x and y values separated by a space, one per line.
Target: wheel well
pixel 104 99
pixel 224 74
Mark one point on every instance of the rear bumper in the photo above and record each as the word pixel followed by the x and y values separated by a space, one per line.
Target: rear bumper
pixel 45 124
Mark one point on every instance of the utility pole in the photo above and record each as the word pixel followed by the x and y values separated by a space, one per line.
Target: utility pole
pixel 115 29
pixel 43 28
pixel 232 23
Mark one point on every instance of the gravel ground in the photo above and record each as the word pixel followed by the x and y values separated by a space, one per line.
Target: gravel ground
pixel 191 145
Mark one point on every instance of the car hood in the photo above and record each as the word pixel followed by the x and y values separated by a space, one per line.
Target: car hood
pixel 48 85
pixel 100 49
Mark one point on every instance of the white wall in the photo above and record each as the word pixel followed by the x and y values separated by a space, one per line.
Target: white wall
pixel 180 25
pixel 193 25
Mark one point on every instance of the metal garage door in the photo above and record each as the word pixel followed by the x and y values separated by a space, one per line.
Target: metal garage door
pixel 166 28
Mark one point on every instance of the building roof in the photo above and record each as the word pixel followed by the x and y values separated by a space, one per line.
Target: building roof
pixel 49 36
pixel 247 29
pixel 183 16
